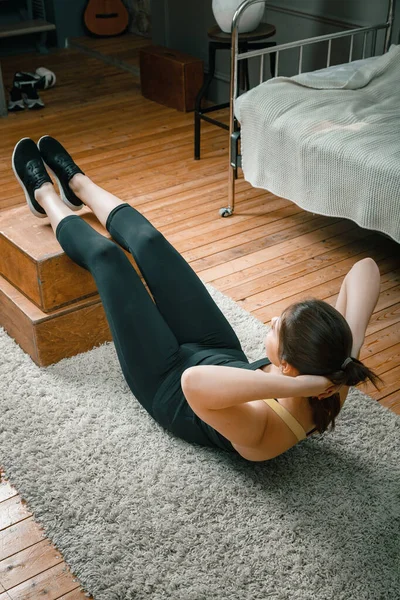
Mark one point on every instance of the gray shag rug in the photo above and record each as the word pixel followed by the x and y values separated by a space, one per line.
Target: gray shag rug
pixel 139 514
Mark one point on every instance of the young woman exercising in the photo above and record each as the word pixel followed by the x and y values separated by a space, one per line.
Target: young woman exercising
pixel 179 355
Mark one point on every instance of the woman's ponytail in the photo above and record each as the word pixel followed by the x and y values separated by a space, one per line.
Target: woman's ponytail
pixel 352 372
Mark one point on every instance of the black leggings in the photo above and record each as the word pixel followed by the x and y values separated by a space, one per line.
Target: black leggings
pixel 155 341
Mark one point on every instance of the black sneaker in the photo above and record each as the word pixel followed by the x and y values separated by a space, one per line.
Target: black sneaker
pixel 63 167
pixel 30 171
pixel 16 102
pixel 30 95
pixel 37 80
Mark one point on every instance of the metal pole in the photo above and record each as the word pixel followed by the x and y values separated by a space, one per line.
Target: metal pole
pixel 390 19
pixel 225 212
pixel 233 94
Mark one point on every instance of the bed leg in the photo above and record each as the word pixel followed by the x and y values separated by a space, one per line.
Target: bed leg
pixel 234 130
pixel 228 211
pixel 234 162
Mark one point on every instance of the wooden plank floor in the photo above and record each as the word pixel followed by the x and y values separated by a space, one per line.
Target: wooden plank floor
pixel 121 51
pixel 267 255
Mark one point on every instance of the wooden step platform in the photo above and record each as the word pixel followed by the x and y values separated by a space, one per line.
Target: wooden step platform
pixel 32 260
pixel 48 304
pixel 48 338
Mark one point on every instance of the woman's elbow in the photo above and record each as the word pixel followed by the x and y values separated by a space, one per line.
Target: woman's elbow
pixel 188 382
pixel 369 266
pixel 185 379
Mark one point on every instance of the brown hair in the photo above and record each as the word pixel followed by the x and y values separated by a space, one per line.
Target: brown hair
pixel 316 339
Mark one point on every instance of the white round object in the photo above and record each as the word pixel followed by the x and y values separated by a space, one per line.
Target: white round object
pixel 50 78
pixel 225 9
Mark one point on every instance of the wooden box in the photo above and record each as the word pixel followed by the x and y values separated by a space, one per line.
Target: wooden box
pixel 170 77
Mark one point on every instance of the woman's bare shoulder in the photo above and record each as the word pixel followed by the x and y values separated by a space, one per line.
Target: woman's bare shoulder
pixel 277 439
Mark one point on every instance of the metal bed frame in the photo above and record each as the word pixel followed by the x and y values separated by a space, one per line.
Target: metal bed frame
pixel 234 127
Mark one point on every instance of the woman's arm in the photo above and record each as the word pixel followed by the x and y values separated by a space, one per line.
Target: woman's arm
pixel 215 387
pixel 357 299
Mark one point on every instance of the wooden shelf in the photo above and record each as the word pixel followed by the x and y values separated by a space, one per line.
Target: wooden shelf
pixel 25 28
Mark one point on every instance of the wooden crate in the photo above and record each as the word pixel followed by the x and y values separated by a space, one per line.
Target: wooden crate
pixel 170 77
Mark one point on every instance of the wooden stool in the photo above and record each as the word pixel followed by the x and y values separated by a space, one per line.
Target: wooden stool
pixel 218 40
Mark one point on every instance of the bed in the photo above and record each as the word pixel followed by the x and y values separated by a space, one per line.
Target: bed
pixel 328 140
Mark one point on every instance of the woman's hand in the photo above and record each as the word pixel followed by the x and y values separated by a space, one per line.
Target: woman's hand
pixel 317 386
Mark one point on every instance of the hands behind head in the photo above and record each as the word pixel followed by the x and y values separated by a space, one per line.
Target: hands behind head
pixel 317 386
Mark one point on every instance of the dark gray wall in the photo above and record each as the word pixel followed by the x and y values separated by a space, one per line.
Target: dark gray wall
pixel 182 25
pixel 67 15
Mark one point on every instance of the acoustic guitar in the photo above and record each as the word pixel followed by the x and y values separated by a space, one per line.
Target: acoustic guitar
pixel 106 17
